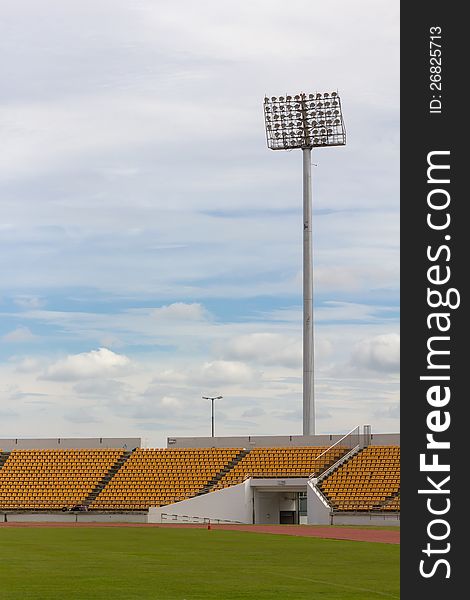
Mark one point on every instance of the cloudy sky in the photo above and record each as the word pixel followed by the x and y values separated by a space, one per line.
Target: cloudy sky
pixel 150 243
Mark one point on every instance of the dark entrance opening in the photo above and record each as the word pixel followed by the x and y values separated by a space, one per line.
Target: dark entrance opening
pixel 287 517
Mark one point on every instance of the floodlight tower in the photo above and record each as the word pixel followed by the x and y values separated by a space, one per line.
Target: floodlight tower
pixel 305 121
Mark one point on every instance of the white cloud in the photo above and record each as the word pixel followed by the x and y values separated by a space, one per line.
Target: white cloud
pixel 26 364
pixel 97 363
pixel 174 376
pixel 379 353
pixel 171 403
pixel 102 389
pixel 256 411
pixel 388 412
pixel 29 302
pixel 20 334
pixel 8 413
pixel 83 415
pixel 99 107
pixel 265 349
pixel 180 311
pixel 333 310
pixel 223 372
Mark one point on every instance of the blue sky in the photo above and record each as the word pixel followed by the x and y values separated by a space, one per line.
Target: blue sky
pixel 151 243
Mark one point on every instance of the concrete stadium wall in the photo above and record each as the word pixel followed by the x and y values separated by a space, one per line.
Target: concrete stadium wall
pixel 380 519
pixel 272 495
pixel 230 504
pixel 90 517
pixel 318 509
pixel 260 441
pixel 383 519
pixel 264 441
pixel 278 484
pixel 68 443
pixel 267 507
pixel 385 439
pixel 37 517
pixel 254 500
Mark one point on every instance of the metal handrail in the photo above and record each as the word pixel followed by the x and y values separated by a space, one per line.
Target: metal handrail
pixel 338 443
pixel 195 519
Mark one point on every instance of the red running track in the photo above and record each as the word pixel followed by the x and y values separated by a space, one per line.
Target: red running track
pixel 385 536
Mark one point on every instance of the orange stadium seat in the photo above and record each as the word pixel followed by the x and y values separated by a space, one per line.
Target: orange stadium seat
pixel 282 462
pixel 156 477
pixel 369 481
pixel 113 479
pixel 53 479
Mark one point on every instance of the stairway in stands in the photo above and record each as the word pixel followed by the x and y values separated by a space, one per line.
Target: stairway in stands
pixel 228 467
pixel 103 482
pixel 3 458
pixel 387 501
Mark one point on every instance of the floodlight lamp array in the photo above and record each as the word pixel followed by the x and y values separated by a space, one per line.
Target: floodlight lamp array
pixel 304 121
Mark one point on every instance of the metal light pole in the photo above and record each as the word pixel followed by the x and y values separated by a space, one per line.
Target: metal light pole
pixel 212 398
pixel 308 350
pixel 305 121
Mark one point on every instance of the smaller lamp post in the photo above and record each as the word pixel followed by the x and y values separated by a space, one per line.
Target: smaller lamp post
pixel 212 398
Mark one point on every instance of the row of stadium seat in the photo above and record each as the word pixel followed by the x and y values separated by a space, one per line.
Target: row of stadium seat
pixel 57 479
pixel 163 476
pixel 370 480
pixel 282 462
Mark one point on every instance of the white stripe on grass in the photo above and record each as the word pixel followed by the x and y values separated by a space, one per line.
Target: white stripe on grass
pixel 342 585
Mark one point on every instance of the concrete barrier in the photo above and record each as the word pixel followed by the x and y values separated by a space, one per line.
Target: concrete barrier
pixel 73 517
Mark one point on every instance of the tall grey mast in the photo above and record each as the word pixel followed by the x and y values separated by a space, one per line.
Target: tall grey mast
pixel 308 350
pixel 305 121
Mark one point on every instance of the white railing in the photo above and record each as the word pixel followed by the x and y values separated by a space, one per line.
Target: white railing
pixel 175 518
pixel 350 441
pixel 323 499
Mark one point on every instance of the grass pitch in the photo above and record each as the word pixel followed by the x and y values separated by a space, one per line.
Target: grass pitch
pixel 133 563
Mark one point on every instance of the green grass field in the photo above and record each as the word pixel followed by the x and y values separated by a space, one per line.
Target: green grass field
pixel 190 564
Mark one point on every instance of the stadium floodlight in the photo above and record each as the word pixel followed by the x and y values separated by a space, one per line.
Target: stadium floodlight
pixel 305 121
pixel 212 398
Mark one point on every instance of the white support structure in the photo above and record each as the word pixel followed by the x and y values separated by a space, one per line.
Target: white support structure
pixel 308 349
pixel 305 121
pixel 233 504
pixel 319 511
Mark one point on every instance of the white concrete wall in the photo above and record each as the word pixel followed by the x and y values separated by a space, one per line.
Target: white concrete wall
pixel 38 517
pixel 92 517
pixel 231 504
pixel 272 484
pixel 287 501
pixel 269 504
pixel 57 517
pixel 382 519
pixel 267 508
pixel 8 444
pixel 68 443
pixel 263 441
pixel 385 439
pixel 318 510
